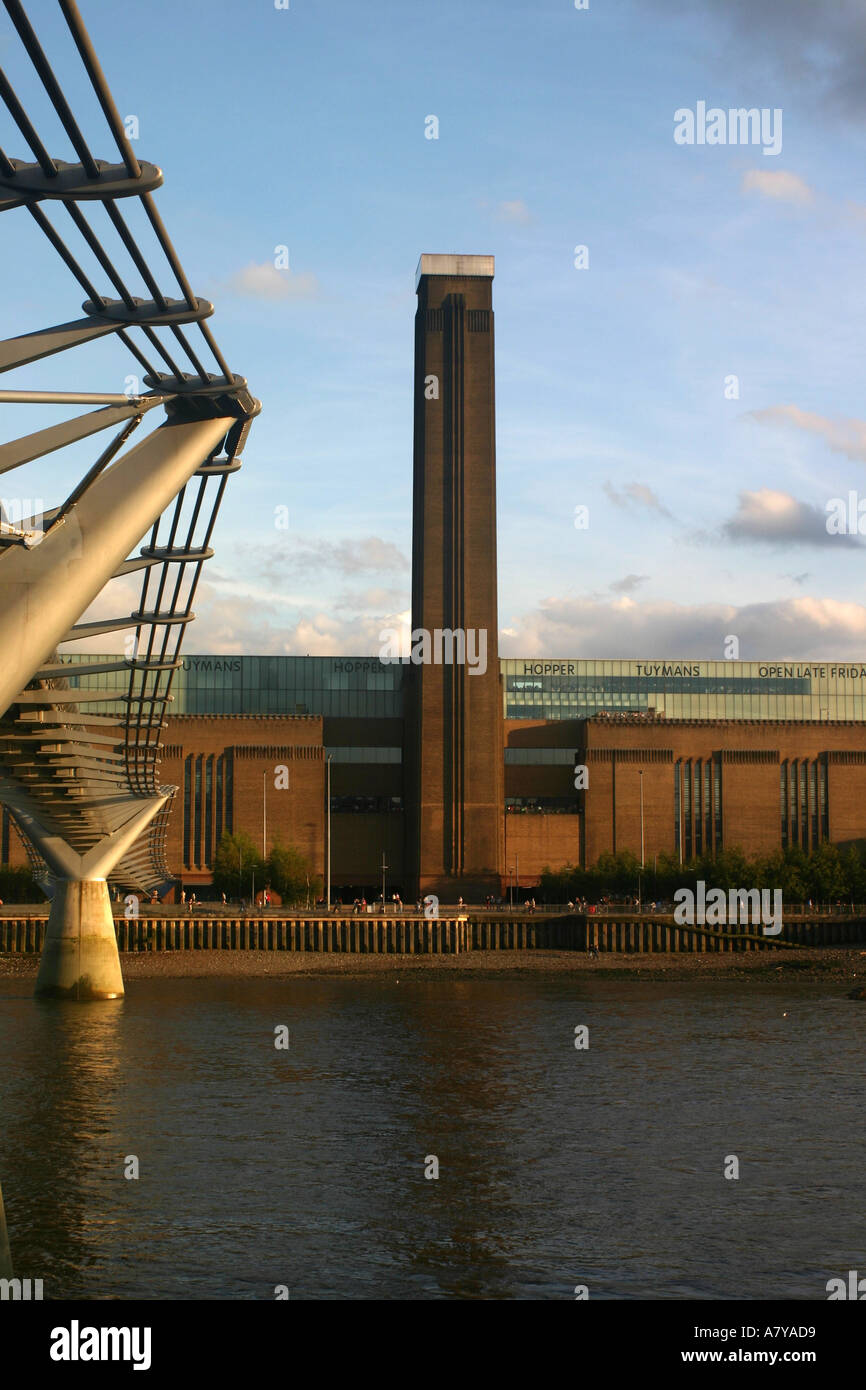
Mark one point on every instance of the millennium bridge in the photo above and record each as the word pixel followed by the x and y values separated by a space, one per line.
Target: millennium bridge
pixel 81 780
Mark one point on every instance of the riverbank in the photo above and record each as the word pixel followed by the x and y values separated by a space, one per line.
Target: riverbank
pixel 843 966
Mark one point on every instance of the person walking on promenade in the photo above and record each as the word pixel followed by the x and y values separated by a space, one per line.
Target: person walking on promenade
pixel 183 897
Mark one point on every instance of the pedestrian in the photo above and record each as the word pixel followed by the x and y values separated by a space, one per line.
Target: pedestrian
pixel 224 899
pixel 459 902
pixel 532 906
pixel 182 896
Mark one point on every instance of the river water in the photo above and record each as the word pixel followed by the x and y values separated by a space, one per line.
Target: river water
pixel 558 1167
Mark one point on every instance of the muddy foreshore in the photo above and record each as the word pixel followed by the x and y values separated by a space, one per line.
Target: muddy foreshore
pixel 830 966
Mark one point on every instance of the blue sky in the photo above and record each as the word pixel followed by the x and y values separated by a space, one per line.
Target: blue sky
pixel 306 128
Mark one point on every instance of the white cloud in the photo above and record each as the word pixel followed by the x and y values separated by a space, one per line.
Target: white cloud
pixel 266 282
pixel 628 583
pixel 229 626
pixel 779 184
pixel 778 518
pixel 846 437
pixel 516 212
pixel 637 494
pixel 302 557
pixel 797 628
pixel 620 628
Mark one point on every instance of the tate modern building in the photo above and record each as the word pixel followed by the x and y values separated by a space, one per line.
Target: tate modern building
pixel 468 774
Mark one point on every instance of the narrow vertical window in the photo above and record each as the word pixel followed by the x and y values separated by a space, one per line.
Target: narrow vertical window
pixel 208 811
pixel 187 808
pixel 197 813
pixel 687 808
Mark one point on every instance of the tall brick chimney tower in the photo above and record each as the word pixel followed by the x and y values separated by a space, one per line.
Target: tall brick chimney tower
pixel 453 759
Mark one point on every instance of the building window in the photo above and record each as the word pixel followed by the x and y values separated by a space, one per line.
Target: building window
pixel 804 808
pixel 553 805
pixel 813 802
pixel 822 797
pixel 678 812
pixel 197 813
pixel 366 805
pixel 219 799
pixel 208 811
pixel 699 819
pixel 687 808
pixel 717 799
pixel 187 807
pixel 783 801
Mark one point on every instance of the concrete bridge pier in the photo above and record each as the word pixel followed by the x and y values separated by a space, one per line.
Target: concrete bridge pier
pixel 80 959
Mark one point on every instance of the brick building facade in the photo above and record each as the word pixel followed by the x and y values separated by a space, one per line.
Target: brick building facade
pixel 759 785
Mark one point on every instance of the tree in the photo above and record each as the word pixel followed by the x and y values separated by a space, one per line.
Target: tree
pixel 19 886
pixel 290 874
pixel 854 869
pixel 827 878
pixel 795 875
pixel 235 862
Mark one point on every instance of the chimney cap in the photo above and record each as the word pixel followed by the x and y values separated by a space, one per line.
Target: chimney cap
pixel 454 264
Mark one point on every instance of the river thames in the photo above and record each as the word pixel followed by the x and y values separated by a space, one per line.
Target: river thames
pixel 304 1167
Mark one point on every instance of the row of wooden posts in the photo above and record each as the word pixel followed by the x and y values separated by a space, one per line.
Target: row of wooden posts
pixel 419 936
